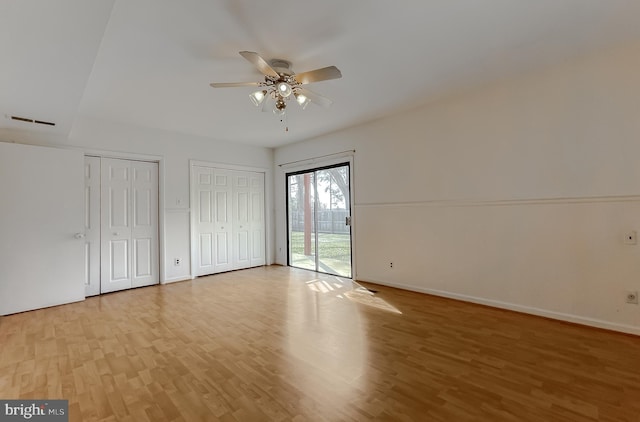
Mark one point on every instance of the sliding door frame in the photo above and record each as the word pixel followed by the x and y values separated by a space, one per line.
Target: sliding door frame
pixel 314 165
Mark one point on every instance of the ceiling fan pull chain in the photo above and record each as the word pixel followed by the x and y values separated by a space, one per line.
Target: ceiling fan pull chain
pixel 286 124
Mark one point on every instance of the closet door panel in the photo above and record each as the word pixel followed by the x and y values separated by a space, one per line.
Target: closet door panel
pixel 92 225
pixel 204 230
pixel 223 220
pixel 144 211
pixel 129 224
pixel 256 219
pixel 115 225
pixel 241 223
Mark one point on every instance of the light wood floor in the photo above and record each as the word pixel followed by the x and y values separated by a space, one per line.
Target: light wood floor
pixel 279 344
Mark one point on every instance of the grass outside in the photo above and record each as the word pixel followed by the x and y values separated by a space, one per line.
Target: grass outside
pixel 334 253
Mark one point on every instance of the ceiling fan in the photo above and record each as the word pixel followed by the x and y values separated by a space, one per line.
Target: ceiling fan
pixel 281 83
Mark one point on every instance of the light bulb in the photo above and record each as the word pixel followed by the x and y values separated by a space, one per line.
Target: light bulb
pixel 258 97
pixel 302 100
pixel 284 89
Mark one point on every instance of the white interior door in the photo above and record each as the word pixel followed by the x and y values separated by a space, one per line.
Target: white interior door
pixel 223 221
pixel 129 224
pixel 144 229
pixel 116 225
pixel 203 221
pixel 92 225
pixel 256 215
pixel 241 221
pixel 41 209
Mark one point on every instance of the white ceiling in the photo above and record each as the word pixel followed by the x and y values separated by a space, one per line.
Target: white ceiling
pixel 150 62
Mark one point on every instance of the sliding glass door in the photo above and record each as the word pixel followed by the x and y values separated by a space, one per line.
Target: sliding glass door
pixel 319 214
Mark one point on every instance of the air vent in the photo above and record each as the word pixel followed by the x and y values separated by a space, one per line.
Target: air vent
pixel 25 119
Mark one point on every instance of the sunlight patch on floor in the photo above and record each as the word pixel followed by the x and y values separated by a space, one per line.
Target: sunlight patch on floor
pixel 352 291
pixel 327 286
pixel 365 297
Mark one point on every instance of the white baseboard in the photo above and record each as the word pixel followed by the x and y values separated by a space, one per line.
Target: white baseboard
pixel 592 322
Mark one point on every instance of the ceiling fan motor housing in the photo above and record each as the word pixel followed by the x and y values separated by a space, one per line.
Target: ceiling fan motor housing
pixel 283 67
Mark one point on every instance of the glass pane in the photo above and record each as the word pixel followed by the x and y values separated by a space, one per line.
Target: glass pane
pixel 332 208
pixel 302 240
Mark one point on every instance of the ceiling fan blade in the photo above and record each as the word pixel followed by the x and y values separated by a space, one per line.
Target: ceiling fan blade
pixel 315 98
pixel 232 84
pixel 326 73
pixel 260 63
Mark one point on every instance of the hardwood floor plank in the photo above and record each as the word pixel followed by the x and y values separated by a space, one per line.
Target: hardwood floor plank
pixel 281 344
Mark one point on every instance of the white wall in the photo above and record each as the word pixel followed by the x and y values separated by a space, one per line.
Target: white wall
pixel 516 195
pixel 174 150
pixel 41 209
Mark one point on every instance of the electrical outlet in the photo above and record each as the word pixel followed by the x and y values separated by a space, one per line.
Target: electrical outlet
pixel 177 262
pixel 632 297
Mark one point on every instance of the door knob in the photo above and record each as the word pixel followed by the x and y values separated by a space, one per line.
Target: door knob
pixel 115 233
pixel 79 235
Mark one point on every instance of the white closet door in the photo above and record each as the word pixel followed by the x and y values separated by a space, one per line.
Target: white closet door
pixel 241 220
pixel 129 224
pixel 204 227
pixel 144 229
pixel 116 225
pixel 223 224
pixel 256 215
pixel 228 219
pixel 92 225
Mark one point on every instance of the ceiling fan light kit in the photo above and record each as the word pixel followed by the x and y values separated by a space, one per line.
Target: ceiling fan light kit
pixel 280 82
pixel 284 89
pixel 258 97
pixel 302 100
